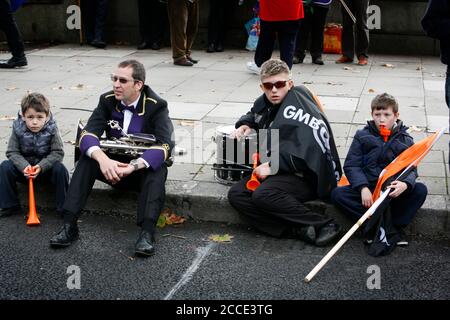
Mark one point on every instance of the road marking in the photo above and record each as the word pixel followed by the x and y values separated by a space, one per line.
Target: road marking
pixel 202 253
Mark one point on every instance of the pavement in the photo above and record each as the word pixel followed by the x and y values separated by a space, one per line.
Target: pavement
pixel 216 92
pixel 189 269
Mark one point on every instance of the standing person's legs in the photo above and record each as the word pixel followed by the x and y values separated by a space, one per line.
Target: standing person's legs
pixel 160 24
pixel 145 10
pixel 348 42
pixel 100 19
pixel 318 23
pixel 214 20
pixel 362 30
pixel 287 33
pixel 178 18
pixel 192 26
pixel 9 26
pixel 88 19
pixel 303 33
pixel 266 42
pixel 447 99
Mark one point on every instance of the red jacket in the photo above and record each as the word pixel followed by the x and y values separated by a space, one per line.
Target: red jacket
pixel 280 10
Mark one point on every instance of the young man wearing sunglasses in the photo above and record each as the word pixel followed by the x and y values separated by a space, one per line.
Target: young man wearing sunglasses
pixel 137 109
pixel 301 165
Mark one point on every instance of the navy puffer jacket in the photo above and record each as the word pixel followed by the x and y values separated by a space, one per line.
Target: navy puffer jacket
pixel 34 146
pixel 369 155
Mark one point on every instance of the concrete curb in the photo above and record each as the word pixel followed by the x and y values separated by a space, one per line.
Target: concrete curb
pixel 207 201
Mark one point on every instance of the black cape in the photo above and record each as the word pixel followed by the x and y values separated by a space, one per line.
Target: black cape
pixel 304 133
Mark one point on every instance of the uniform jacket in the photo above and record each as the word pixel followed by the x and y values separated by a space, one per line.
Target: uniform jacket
pixel 151 116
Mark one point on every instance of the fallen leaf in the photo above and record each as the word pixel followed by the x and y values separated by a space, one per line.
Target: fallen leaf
pixel 168 217
pixel 5 118
pixel 371 90
pixel 388 65
pixel 415 129
pixel 70 141
pixel 220 238
pixel 347 68
pixel 11 88
pixel 129 258
pixel 79 86
pixel 186 123
pixel 58 88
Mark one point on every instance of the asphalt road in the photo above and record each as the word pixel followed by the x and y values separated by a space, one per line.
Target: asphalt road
pixel 187 266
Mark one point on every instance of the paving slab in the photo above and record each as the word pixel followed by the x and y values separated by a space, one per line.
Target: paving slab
pixel 215 93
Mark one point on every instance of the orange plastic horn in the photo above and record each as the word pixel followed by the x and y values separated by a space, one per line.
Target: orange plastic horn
pixel 384 132
pixel 254 183
pixel 33 219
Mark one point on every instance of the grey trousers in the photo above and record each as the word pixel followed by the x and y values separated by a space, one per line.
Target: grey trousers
pixel 355 41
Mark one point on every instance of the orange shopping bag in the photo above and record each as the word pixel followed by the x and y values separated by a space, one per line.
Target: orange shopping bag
pixel 332 39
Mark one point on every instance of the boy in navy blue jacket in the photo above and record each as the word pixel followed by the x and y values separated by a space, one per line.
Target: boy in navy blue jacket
pixel 368 155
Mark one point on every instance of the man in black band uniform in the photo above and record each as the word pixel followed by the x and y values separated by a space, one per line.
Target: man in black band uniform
pixel 137 109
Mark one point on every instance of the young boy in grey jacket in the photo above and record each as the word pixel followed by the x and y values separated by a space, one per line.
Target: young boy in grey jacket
pixel 35 150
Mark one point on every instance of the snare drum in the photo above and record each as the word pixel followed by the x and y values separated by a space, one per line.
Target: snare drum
pixel 234 158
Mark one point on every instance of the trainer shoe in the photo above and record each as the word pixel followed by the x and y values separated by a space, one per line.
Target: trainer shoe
pixel 252 67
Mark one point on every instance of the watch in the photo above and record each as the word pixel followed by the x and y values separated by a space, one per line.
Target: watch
pixel 135 164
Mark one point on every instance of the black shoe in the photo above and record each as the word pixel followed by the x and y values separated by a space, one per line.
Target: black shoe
pixel 328 234
pixel 403 241
pixel 298 59
pixel 219 48
pixel 155 46
pixel 183 62
pixel 210 48
pixel 318 61
pixel 192 60
pixel 10 211
pixel 143 45
pixel 14 62
pixel 64 238
pixel 98 44
pixel 145 244
pixel 307 234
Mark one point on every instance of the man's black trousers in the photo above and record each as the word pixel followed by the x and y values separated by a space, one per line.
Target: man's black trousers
pixel 276 206
pixel 149 183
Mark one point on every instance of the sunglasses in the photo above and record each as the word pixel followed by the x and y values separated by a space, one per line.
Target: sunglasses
pixel 278 84
pixel 114 78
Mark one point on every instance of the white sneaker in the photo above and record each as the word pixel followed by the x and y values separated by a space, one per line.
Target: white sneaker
pixel 252 67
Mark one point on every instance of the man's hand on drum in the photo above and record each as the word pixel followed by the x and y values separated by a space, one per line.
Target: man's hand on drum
pixel 262 171
pixel 241 132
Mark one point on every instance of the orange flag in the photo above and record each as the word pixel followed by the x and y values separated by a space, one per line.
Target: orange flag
pixel 408 158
